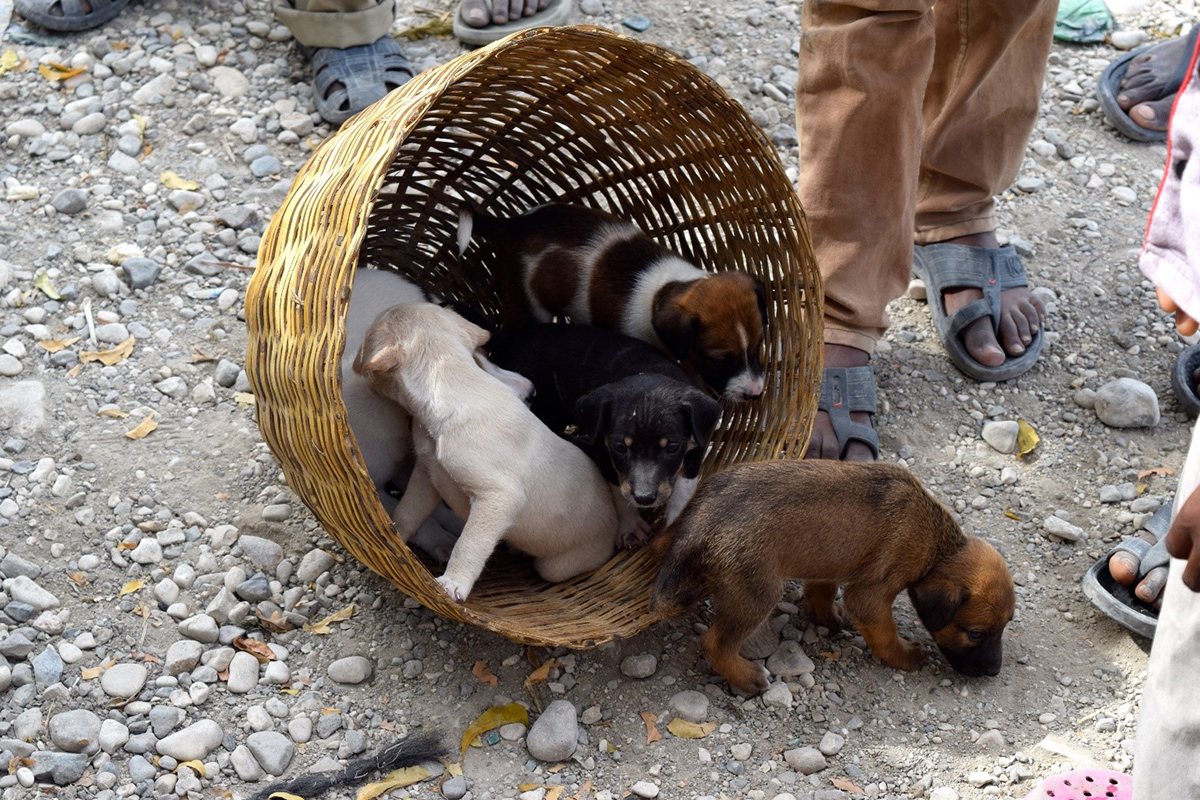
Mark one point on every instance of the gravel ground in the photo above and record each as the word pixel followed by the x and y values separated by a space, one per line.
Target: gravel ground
pixel 133 566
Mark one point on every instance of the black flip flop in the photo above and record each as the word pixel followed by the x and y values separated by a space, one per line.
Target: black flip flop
pixel 1109 86
pixel 1118 602
pixel 365 73
pixel 555 13
pixel 845 390
pixel 71 17
pixel 1183 380
pixel 945 266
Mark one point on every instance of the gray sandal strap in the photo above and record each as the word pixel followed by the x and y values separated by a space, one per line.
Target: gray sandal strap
pixel 845 390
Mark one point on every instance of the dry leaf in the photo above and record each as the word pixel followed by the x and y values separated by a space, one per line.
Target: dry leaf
pixel 59 72
pixel 557 768
pixel 126 545
pixel 276 623
pixel 553 792
pixel 194 766
pixel 143 429
pixel 584 791
pixel 453 767
pixel 322 627
pixel 141 121
pixel 172 181
pixel 78 577
pixel 835 655
pixel 131 587
pixel 493 718
pixel 541 674
pixel 114 413
pixel 54 345
pixel 847 786
pixel 109 357
pixel 652 734
pixel 201 357
pixel 243 398
pixel 1155 471
pixel 690 730
pixel 481 671
pixel 90 673
pixel 1027 438
pixel 284 796
pixel 1013 515
pixel 42 283
pixel 8 61
pixel 293 692
pixel 256 648
pixel 401 777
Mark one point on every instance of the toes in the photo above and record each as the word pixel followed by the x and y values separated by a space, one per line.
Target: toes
pixel 475 13
pixel 516 8
pixel 1152 585
pixel 1123 567
pixel 530 7
pixel 500 11
pixel 1021 322
pixel 981 343
pixel 1153 114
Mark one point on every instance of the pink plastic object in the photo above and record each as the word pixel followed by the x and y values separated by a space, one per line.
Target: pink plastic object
pixel 1085 784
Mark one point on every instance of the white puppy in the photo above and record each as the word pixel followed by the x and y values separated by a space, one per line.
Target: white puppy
pixel 483 452
pixel 379 425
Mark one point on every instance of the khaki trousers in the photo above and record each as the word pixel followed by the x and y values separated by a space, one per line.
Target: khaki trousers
pixel 336 23
pixel 912 115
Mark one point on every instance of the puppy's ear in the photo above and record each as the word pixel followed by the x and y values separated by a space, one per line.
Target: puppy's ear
pixel 937 600
pixel 594 413
pixel 700 412
pixel 760 294
pixel 674 324
pixel 380 352
pixel 476 336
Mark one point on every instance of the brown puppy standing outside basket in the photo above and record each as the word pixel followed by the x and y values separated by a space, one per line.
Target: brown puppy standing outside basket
pixel 576 115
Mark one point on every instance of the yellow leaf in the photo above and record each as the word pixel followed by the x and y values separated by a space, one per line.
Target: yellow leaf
pixel 322 627
pixel 143 429
pixel 284 796
pixel 454 768
pixel 90 673
pixel 43 284
pixel 295 691
pixel 553 792
pixel 1027 438
pixel 172 181
pixel 194 766
pixel 481 671
pixel 115 413
pixel 557 768
pixel 1013 515
pixel 690 730
pixel 493 718
pixel 54 345
pixel 541 674
pixel 401 777
pixel 652 734
pixel 109 357
pixel 131 587
pixel 141 121
pixel 59 72
pixel 8 61
pixel 243 398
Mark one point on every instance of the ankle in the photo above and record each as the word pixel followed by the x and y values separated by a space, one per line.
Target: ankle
pixel 840 355
pixel 984 239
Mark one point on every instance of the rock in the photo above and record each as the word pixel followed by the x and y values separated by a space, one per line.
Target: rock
pixel 243 673
pixel 1127 403
pixel 154 91
pixel 455 788
pixel 314 562
pixel 10 366
pixel 777 695
pixel 272 750
pixel 644 788
pixel 351 670
pixel 75 731
pixel 183 200
pixel 254 589
pixel 1127 40
pixel 555 734
pixel 113 736
pixel 277 512
pixel 89 124
pixel 61 769
pixel 16 646
pixel 27 128
pixel 1124 195
pixel 164 719
pixel 265 165
pixel 174 387
pixel 1057 526
pixel 193 743
pixel 201 627
pixel 591 8
pixel 69 202
pixel 980 779
pixel 992 741
pixel 126 165
pixel 12 566
pixel 640 666
pixel 1001 435
pixel 123 680
pixel 22 406
pixel 245 764
pixel 141 272
pixel 805 760
pixel 592 714
pixel 689 705
pixel 789 660
pixel 639 24
pixel 263 553
pixel 1085 398
pixel 148 551
pixel 225 375
pixel 831 743
pixel 943 793
pixel 48 667
pixel 1030 185
pixel 24 590
pixel 237 217
pixel 228 81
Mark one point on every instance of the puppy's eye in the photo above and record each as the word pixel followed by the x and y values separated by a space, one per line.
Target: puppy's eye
pixel 619 448
pixel 976 636
pixel 672 448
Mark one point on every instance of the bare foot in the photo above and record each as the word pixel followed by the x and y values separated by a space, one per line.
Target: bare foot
pixel 1123 566
pixel 1143 93
pixel 481 13
pixel 824 443
pixel 1021 315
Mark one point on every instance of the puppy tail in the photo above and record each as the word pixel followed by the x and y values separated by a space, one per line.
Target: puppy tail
pixel 473 222
pixel 679 583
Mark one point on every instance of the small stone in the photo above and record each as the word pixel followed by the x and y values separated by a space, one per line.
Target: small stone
pixel 1030 185
pixel 638 23
pixel 350 670
pixel 805 760
pixel 164 719
pixel 69 201
pixel 689 705
pixel 644 788
pixel 126 165
pixel 789 660
pixel 225 375
pixel 592 714
pixel 75 731
pixel 314 563
pixel 943 793
pixel 1124 195
pixel 228 81
pixel 297 122
pixel 1127 40
pixel 254 589
pixel 183 656
pixel 48 667
pixel 263 553
pixel 201 627
pixel 591 8
pixel 12 566
pixel 23 589
pixel 1110 494
pixel 193 743
pixel 1001 435
pixel 10 366
pixel 61 769
pixel 237 217
pixel 640 666
pixel 113 736
pixel 555 734
pixel 278 512
pixel 174 387
pixel 1127 403
pixel 455 788
pixel 27 128
pixel 992 741
pixel 980 779
pixel 777 695
pixel 272 750
pixel 831 743
pixel 1085 398
pixel 123 680
pixel 245 765
pixel 243 674
pixel 265 165
pixel 141 272
pixel 16 646
pixel 1057 526
pixel 183 200
pixel 148 551
pixel 89 124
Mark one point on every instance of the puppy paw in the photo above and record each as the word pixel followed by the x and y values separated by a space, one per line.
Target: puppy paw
pixel 749 679
pixel 457 591
pixel 825 615
pixel 910 656
pixel 633 533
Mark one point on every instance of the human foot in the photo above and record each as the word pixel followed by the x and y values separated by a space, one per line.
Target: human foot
pixel 1152 80
pixel 347 80
pixel 1124 566
pixel 825 442
pixel 481 13
pixel 70 15
pixel 1021 315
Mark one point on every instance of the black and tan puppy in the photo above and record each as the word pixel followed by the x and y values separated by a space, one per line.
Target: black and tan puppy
pixel 566 260
pixel 631 408
pixel 871 528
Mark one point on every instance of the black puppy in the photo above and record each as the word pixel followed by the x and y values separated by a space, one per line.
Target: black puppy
pixel 632 409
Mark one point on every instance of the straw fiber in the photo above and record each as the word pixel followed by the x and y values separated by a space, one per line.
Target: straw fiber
pixel 577 115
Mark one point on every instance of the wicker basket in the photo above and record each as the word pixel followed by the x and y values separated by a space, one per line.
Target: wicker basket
pixel 579 115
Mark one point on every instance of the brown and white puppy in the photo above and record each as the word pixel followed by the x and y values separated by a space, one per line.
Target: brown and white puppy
pixel 482 451
pixel 869 527
pixel 567 260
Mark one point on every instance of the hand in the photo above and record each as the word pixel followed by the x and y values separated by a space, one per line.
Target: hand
pixel 1183 540
pixel 1183 323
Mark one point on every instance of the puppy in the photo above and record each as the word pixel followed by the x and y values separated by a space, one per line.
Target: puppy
pixel 633 410
pixel 871 528
pixel 379 425
pixel 598 269
pixel 483 452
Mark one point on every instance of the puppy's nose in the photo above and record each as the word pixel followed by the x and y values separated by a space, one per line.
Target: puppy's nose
pixel 645 499
pixel 755 389
pixel 993 669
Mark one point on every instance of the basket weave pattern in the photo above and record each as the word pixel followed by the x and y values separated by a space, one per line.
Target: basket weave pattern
pixel 575 115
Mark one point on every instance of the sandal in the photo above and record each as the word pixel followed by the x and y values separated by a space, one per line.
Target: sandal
pixel 945 266
pixel 69 15
pixel 555 13
pixel 845 390
pixel 366 73
pixel 1183 380
pixel 1118 601
pixel 1109 86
